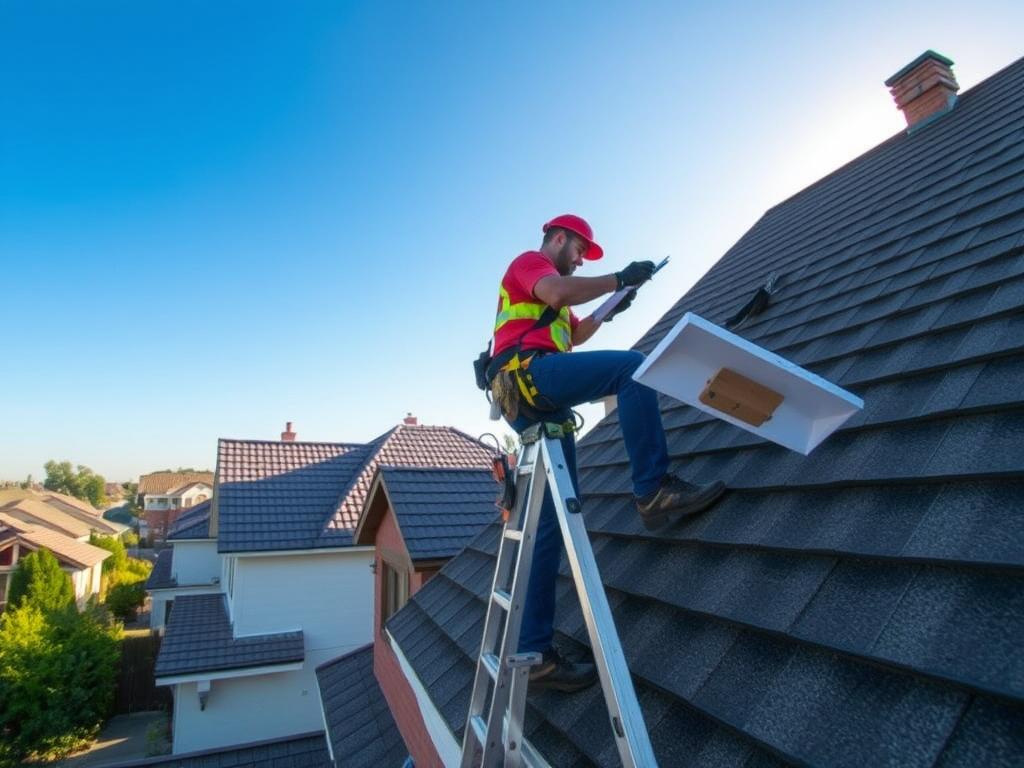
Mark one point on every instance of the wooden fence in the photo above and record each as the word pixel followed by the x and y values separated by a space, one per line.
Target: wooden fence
pixel 136 686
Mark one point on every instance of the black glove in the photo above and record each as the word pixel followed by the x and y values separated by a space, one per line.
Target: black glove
pixel 636 273
pixel 622 306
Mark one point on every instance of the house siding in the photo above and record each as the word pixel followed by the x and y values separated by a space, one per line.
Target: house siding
pixel 244 709
pixel 196 562
pixel 327 596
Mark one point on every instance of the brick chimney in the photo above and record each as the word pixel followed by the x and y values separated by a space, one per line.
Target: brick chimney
pixel 288 436
pixel 410 420
pixel 925 89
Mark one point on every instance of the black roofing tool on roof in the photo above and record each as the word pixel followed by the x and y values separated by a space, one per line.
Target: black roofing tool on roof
pixel 757 304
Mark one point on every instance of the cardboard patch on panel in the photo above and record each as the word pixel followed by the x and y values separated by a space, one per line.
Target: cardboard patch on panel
pixel 754 388
pixel 740 397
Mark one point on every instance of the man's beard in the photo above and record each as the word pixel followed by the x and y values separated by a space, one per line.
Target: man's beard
pixel 564 258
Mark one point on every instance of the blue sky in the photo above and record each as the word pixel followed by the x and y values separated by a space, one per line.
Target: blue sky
pixel 216 217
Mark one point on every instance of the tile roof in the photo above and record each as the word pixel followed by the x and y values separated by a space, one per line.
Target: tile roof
pixel 194 523
pixel 291 495
pixel 64 547
pixel 306 750
pixel 36 511
pixel 199 638
pixel 408 446
pixel 360 727
pixel 862 605
pixel 181 489
pixel 162 482
pixel 160 576
pixel 71 501
pixel 438 510
pixel 277 495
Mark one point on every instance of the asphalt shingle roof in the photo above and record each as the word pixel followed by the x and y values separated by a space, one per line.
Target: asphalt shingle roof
pixel 308 750
pixel 439 510
pixel 160 576
pixel 193 524
pixel 291 495
pixel 862 605
pixel 360 727
pixel 198 638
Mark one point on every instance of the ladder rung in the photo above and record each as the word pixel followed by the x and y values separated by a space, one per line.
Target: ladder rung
pixel 503 598
pixel 491 664
pixel 514 534
pixel 524 471
pixel 479 727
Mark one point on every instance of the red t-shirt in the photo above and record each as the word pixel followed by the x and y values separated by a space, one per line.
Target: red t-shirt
pixel 520 278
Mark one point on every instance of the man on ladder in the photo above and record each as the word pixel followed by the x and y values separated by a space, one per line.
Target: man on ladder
pixel 535 377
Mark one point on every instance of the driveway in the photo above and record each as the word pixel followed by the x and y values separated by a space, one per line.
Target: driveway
pixel 122 738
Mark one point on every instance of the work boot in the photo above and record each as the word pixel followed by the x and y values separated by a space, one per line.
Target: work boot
pixel 676 499
pixel 556 673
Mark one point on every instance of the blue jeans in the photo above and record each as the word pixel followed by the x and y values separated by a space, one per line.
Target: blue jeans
pixel 568 380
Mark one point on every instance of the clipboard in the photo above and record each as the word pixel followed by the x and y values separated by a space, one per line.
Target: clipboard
pixel 612 301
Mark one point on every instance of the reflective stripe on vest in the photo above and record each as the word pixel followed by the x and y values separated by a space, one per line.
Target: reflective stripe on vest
pixel 561 328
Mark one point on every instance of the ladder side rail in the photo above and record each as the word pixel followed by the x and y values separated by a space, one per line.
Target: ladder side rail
pixel 494 753
pixel 627 721
pixel 492 621
pixel 482 679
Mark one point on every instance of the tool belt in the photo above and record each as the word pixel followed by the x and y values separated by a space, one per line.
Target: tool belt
pixel 506 376
pixel 513 388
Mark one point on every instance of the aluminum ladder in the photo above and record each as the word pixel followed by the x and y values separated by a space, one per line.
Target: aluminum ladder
pixel 494 731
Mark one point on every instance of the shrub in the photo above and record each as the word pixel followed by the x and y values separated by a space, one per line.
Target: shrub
pixel 38 580
pixel 126 598
pixel 57 677
pixel 118 554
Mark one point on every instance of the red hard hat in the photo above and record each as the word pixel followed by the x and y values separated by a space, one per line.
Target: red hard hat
pixel 580 227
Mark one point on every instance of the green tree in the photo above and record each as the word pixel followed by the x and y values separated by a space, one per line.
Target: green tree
pixel 131 497
pixel 57 675
pixel 60 477
pixel 38 580
pixel 94 487
pixel 510 443
pixel 82 484
pixel 125 599
pixel 118 554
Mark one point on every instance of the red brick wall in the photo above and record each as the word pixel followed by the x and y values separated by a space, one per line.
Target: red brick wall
pixel 401 699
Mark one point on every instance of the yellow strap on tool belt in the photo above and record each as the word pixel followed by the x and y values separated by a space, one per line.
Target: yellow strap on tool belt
pixel 514 384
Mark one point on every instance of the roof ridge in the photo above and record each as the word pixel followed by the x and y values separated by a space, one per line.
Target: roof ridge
pixel 412 468
pixel 902 134
pixel 286 442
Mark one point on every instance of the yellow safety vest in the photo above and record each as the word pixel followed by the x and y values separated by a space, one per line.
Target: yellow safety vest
pixel 560 329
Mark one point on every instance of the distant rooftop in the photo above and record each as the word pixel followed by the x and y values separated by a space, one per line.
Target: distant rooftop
pixel 287 495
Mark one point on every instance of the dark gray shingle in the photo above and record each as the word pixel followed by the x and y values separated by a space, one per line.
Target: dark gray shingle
pixel 193 524
pixel 308 750
pixel 439 510
pixel 160 576
pixel 862 605
pixel 199 638
pixel 360 726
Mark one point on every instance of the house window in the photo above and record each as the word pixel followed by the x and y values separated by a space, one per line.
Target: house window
pixel 3 589
pixel 394 590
